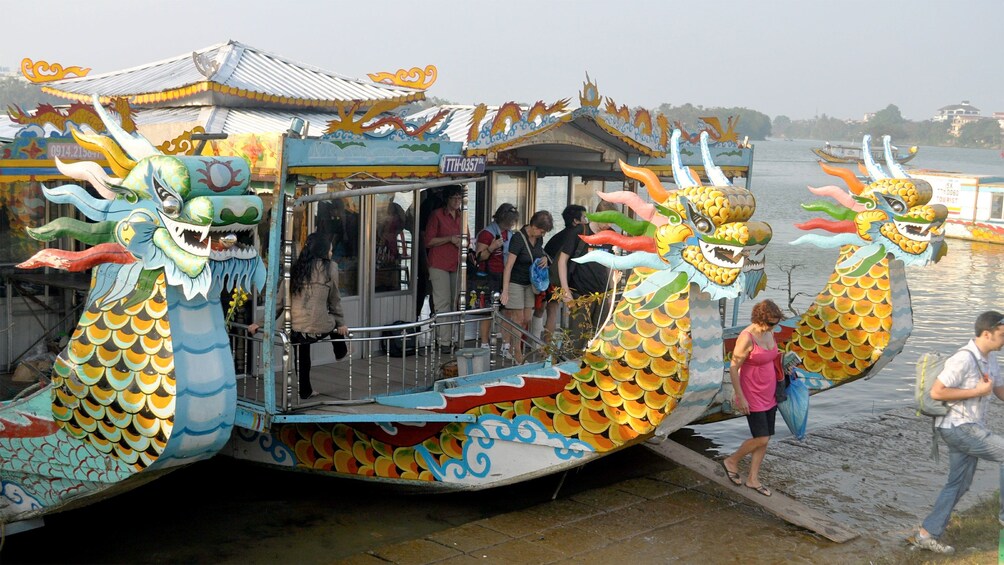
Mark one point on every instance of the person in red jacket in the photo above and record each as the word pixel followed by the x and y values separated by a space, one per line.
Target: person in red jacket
pixel 443 238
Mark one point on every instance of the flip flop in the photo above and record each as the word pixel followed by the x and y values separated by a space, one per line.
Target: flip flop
pixel 761 489
pixel 734 477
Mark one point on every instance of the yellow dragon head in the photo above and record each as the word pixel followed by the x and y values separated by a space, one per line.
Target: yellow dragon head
pixel 695 234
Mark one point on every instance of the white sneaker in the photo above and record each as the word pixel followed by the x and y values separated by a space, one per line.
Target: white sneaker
pixel 931 544
pixel 486 346
pixel 506 354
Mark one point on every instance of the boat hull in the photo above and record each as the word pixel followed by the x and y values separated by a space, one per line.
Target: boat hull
pixel 975 204
pixel 851 158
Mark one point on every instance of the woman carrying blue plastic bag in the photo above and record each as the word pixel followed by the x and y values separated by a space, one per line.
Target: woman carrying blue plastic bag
pixel 754 380
pixel 526 252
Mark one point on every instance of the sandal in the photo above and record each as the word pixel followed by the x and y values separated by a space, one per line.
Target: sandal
pixel 761 489
pixel 734 477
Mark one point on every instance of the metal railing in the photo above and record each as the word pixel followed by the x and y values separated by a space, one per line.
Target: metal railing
pixel 381 360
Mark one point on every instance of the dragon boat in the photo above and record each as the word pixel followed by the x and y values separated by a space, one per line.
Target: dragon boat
pixel 852 154
pixel 658 362
pixel 146 382
pixel 149 379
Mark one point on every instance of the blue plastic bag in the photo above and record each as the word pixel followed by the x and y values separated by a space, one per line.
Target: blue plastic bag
pixel 795 410
pixel 539 277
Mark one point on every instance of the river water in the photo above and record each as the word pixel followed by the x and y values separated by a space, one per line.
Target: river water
pixel 946 296
pixel 227 511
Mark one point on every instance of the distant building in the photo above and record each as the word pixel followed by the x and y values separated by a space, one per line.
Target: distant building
pixel 999 116
pixel 959 115
pixel 868 117
pixel 8 72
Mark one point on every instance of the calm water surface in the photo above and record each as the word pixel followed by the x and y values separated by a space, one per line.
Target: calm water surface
pixel 227 511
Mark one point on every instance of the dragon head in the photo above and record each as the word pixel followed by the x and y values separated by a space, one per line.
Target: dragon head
pixel 891 215
pixel 189 216
pixel 695 234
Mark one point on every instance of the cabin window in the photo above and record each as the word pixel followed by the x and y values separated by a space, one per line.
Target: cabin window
pixel 552 195
pixel 393 251
pixel 21 206
pixel 339 220
pixel 584 192
pixel 997 206
pixel 512 187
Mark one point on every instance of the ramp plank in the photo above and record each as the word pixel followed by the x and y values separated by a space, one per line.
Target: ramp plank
pixel 783 507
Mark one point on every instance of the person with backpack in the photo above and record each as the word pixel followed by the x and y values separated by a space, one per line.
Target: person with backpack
pixel 578 280
pixel 965 383
pixel 491 252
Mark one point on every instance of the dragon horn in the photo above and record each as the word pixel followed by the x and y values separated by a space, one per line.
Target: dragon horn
pixel 648 178
pixel 874 169
pixel 895 169
pixel 681 175
pixel 715 174
pixel 846 174
pixel 135 146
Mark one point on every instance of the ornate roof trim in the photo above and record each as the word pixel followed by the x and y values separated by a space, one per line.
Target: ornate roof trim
pixel 208 86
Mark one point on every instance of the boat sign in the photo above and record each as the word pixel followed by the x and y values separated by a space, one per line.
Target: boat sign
pixel 460 165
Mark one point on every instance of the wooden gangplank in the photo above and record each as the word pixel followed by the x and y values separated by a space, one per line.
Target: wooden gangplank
pixel 788 509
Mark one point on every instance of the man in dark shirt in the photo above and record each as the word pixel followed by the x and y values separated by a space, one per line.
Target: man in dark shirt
pixel 575 217
pixel 585 279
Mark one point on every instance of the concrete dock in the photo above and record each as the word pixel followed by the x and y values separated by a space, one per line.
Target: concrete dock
pixel 875 476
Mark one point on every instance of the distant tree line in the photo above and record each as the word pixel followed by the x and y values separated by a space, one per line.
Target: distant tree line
pixel 889 121
pixel 25 95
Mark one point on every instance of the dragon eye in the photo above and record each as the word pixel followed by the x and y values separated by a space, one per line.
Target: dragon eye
pixel 171 206
pixel 897 205
pixel 703 224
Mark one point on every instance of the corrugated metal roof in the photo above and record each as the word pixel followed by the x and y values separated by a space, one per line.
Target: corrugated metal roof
pixel 259 121
pixel 149 116
pixel 239 66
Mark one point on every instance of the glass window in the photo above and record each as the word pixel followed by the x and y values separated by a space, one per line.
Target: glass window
pixel 339 220
pixel 512 187
pixel 552 195
pixel 21 206
pixel 393 242
pixel 584 192
pixel 997 206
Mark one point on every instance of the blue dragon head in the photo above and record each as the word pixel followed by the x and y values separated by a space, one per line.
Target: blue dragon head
pixel 189 216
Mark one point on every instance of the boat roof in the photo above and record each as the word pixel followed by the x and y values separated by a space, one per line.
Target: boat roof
pixel 231 74
pixel 983 179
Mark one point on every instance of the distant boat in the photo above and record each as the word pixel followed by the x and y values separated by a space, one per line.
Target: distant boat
pixel 853 154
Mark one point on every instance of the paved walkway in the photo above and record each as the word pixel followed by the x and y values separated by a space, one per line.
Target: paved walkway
pixel 874 475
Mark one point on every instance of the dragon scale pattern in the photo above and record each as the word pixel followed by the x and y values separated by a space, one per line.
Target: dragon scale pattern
pixel 127 414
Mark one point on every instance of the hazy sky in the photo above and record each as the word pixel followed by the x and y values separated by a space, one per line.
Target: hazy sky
pixel 801 58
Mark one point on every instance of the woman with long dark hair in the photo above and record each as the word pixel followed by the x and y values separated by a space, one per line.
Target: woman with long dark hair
pixel 316 305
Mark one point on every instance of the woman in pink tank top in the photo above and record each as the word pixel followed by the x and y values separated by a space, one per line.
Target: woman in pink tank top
pixel 754 379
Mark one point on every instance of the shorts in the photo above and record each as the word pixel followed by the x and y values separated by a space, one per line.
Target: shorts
pixel 520 297
pixel 762 423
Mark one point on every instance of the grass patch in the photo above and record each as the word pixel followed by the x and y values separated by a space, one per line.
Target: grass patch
pixel 974 534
